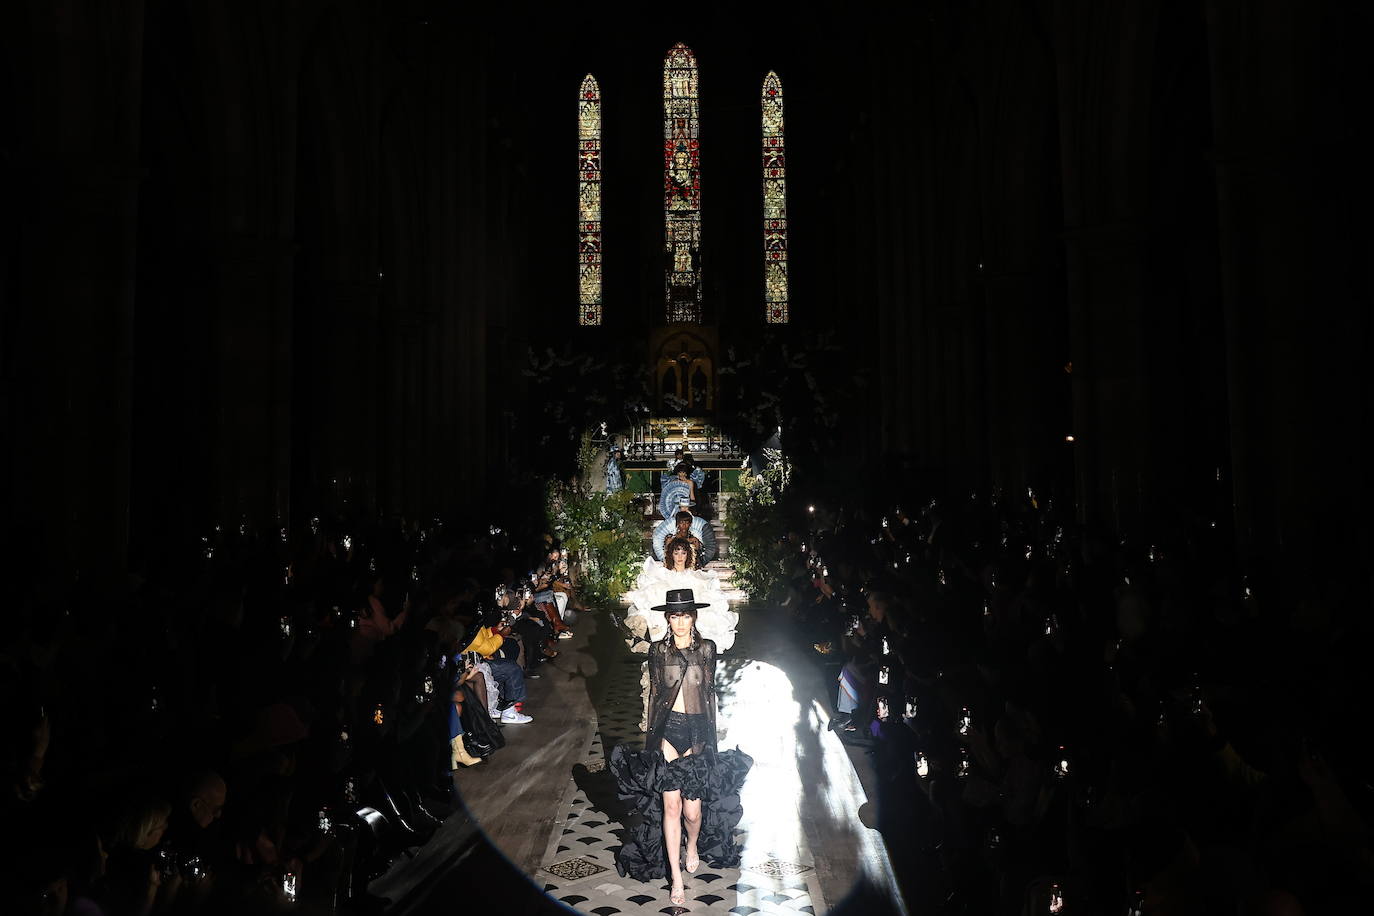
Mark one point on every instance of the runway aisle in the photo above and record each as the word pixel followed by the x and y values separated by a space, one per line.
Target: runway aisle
pixel 804 846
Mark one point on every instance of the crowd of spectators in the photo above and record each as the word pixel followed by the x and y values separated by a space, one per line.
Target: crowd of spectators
pixel 265 723
pixel 1062 723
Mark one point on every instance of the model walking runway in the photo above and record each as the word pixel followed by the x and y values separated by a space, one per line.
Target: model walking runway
pixel 801 841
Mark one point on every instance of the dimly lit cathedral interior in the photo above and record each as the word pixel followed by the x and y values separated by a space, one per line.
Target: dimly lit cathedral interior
pixel 726 460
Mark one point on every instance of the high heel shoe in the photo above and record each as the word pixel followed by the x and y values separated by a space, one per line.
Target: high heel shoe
pixel 692 865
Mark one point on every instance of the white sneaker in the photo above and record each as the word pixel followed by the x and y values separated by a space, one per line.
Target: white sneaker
pixel 565 634
pixel 512 716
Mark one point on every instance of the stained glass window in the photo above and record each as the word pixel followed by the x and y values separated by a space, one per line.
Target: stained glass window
pixel 589 202
pixel 774 203
pixel 681 186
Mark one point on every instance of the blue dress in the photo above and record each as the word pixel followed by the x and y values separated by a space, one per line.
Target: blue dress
pixel 615 477
pixel 674 492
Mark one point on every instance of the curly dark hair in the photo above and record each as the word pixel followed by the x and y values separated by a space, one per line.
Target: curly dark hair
pixel 673 545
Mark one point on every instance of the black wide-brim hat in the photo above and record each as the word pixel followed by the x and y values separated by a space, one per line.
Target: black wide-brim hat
pixel 679 599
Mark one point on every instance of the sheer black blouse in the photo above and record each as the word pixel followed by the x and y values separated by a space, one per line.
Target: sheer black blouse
pixel 692 671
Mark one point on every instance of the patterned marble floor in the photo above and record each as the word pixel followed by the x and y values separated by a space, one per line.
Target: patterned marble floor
pixel 578 867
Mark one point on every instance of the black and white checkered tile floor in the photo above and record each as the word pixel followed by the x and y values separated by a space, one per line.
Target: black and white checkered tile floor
pixel 578 867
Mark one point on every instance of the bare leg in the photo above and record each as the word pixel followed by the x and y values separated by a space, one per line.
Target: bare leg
pixel 691 812
pixel 672 839
pixel 672 833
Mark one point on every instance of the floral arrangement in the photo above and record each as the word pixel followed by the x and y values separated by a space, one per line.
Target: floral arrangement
pixel 603 532
pixel 756 546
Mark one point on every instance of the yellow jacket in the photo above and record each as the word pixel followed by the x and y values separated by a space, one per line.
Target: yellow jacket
pixel 485 643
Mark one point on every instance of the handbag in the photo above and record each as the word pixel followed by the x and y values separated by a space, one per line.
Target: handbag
pixel 481 736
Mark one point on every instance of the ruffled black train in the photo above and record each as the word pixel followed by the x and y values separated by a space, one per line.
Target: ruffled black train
pixel 641 779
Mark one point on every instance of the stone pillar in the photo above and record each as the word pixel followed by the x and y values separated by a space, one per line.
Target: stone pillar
pixel 252 381
pixel 1106 291
pixel 1295 280
pixel 77 88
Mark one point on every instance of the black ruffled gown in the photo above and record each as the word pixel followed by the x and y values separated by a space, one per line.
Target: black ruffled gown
pixel 715 777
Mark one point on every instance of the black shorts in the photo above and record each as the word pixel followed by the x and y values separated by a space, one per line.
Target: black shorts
pixel 684 730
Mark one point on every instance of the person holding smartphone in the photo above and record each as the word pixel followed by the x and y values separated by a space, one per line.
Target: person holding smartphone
pixel 507 673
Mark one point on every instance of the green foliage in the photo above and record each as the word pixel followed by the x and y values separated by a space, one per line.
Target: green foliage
pixel 602 531
pixel 753 523
pixel 574 388
pixel 791 378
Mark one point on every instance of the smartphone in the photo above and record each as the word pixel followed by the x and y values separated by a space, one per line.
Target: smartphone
pixel 885 648
pixel 1056 899
pixel 322 820
pixel 965 721
pixel 285 626
pixel 1061 768
pixel 882 709
pixel 350 791
pixel 883 675
pixel 378 715
pixel 922 765
pixel 288 887
pixel 429 685
pixel 911 707
pixel 965 765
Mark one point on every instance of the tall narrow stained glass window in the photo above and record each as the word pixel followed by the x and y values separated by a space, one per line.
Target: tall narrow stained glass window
pixel 774 203
pixel 681 186
pixel 589 202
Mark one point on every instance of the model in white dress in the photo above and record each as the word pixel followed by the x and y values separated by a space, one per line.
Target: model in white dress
pixel 716 621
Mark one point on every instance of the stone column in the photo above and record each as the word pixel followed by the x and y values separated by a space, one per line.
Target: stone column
pixel 77 88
